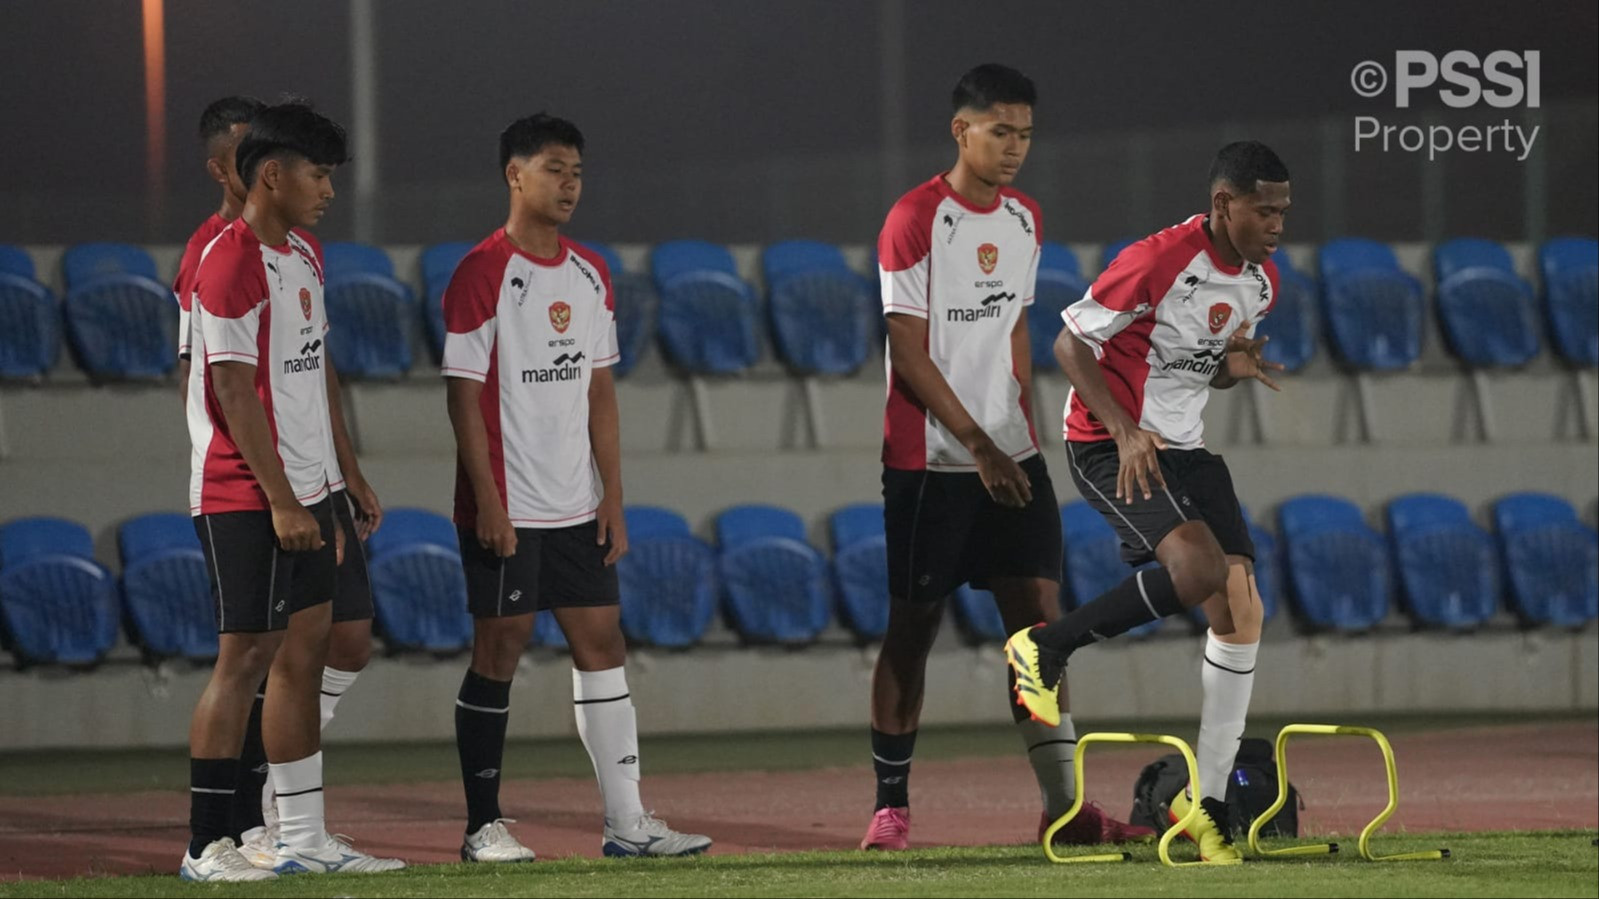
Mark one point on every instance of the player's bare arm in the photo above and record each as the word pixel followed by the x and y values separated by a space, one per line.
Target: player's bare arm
pixel 369 510
pixel 1137 448
pixel 234 383
pixel 907 347
pixel 494 529
pixel 1021 350
pixel 605 437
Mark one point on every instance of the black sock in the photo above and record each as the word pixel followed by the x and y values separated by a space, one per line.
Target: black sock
pixel 1140 599
pixel 250 778
pixel 482 711
pixel 891 760
pixel 211 784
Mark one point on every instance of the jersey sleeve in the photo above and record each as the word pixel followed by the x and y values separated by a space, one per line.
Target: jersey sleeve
pixel 605 350
pixel 1274 279
pixel 1030 285
pixel 1117 298
pixel 183 290
pixel 231 290
pixel 903 249
pixel 470 301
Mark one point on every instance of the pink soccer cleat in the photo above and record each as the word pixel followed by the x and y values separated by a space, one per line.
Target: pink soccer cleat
pixel 891 829
pixel 1092 827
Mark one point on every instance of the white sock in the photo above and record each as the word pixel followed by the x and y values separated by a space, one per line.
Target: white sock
pixel 609 728
pixel 1049 751
pixel 299 788
pixel 334 683
pixel 1228 676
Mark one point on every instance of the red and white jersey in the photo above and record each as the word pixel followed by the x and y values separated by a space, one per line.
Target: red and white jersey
pixel 260 305
pixel 1158 320
pixel 969 271
pixel 188 266
pixel 532 330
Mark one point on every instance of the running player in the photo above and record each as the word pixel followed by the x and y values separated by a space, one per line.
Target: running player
pixel 966 496
pixel 538 497
pixel 355 505
pixel 1172 317
pixel 263 464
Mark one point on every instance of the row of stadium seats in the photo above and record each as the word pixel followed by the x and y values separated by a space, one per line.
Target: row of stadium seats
pixel 823 316
pixel 57 605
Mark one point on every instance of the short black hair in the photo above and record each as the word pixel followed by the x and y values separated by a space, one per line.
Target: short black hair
pixel 992 83
pixel 530 134
pixel 223 114
pixel 1246 163
pixel 290 129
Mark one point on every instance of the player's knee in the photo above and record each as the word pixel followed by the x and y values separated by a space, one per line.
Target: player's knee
pixel 497 645
pixel 349 651
pixel 1199 573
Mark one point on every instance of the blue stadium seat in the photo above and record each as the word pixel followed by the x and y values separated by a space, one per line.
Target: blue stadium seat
pixel 1462 253
pixel 788 258
pixel 1093 560
pixel 637 307
pixel 1353 254
pixel 1337 565
pixel 1059 285
pixel 1114 249
pixel 165 591
pixel 57 605
pixel 978 616
pixel 418 586
pixel 30 328
pixel 1374 318
pixel 438 265
pixel 121 326
pixel 860 563
pixel 675 258
pixel 16 261
pixel 708 323
pixel 654 521
pixel 822 320
pixel 1448 571
pixel 1570 270
pixel 1489 317
pixel 613 259
pixel 1292 322
pixel 777 585
pixel 369 315
pixel 669 589
pixel 1551 560
pixel 345 258
pixel 88 262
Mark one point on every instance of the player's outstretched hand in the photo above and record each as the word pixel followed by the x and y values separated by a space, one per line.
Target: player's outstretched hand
pixel 1140 464
pixel 612 526
pixel 1006 482
pixel 296 528
pixel 495 532
pixel 1245 359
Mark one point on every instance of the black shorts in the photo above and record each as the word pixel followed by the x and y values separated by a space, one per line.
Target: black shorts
pixel 353 601
pixel 255 584
pixel 1198 485
pixel 553 568
pixel 944 530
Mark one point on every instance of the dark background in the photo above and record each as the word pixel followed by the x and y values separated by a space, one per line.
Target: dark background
pixel 756 121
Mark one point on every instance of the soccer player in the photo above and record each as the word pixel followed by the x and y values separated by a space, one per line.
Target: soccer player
pixel 264 462
pixel 538 496
pixel 355 505
pixel 966 496
pixel 1172 317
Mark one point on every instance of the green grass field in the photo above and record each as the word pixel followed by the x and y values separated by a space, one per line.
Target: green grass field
pixel 1502 864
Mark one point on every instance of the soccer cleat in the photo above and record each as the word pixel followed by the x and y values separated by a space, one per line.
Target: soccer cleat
pixel 221 863
pixel 1038 673
pixel 334 856
pixel 1209 830
pixel 1092 826
pixel 890 829
pixel 650 837
pixel 260 846
pixel 493 843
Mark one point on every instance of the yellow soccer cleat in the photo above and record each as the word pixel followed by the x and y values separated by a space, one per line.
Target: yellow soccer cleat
pixel 1209 830
pixel 1037 677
